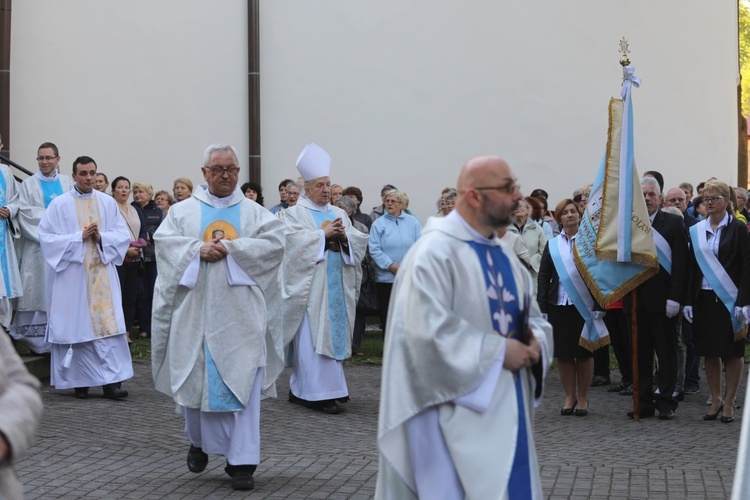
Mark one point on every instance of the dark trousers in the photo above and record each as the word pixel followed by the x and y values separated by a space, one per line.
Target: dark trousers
pixel 128 274
pixel 145 296
pixel 384 297
pixel 618 325
pixel 656 334
pixel 360 319
pixel 601 361
pixel 692 360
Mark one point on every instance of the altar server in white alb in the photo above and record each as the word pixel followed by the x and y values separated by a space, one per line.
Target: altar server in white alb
pixel 213 351
pixel 37 192
pixel 465 355
pixel 10 277
pixel 321 279
pixel 83 237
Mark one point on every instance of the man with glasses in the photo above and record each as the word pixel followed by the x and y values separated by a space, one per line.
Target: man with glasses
pixel 676 198
pixel 36 193
pixel 458 387
pixel 215 346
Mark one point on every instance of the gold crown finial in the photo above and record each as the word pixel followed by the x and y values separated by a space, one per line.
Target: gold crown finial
pixel 624 50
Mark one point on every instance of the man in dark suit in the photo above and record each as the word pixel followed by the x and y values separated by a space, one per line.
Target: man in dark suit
pixel 686 358
pixel 659 300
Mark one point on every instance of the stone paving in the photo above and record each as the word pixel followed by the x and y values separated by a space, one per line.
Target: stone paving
pixel 135 448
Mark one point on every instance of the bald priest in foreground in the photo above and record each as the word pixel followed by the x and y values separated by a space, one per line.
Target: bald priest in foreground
pixel 465 355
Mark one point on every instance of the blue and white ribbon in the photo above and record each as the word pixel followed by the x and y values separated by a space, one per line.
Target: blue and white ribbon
pixel 663 250
pixel 625 191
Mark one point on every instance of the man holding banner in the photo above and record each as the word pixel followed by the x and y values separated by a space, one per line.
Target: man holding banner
pixel 659 300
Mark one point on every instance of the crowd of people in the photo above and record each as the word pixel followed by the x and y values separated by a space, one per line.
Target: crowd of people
pixel 230 292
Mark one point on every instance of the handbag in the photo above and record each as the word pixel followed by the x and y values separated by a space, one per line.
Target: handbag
pixel 368 294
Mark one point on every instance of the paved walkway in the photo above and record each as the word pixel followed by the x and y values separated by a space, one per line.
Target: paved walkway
pixel 136 449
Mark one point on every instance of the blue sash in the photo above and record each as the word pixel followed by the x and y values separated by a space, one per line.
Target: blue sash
pixel 3 230
pixel 50 190
pixel 663 250
pixel 714 272
pixel 336 296
pixel 506 311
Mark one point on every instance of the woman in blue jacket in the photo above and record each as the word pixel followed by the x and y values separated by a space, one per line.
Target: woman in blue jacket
pixel 391 236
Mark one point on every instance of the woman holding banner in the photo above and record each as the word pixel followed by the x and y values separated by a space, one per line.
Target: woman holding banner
pixel 569 307
pixel 719 295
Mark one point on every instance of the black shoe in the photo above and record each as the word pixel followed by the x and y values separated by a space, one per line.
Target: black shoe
pixel 728 420
pixel 196 459
pixel 628 391
pixel 680 396
pixel 330 407
pixel 666 415
pixel 114 391
pixel 691 390
pixel 242 476
pixel 568 411
pixel 619 387
pixel 299 401
pixel 599 380
pixel 642 414
pixel 581 413
pixel 82 392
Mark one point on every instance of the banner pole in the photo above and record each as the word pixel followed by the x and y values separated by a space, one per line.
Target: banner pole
pixel 634 354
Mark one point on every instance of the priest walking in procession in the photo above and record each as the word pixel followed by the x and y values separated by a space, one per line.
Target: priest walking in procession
pixel 36 193
pixel 83 238
pixel 215 347
pixel 10 281
pixel 321 281
pixel 465 354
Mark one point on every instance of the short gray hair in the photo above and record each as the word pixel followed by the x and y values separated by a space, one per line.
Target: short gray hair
pixel 346 203
pixel 216 148
pixel 651 182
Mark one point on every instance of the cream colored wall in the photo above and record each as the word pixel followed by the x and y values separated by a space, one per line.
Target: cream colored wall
pixel 141 86
pixel 399 92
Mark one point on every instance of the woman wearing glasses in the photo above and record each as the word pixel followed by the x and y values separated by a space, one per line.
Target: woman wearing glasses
pixel 719 296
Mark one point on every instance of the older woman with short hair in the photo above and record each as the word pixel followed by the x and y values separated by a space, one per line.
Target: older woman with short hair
pixel 182 189
pixel 391 236
pixel 153 216
pixel 532 234
pixel 719 296
pixel 163 200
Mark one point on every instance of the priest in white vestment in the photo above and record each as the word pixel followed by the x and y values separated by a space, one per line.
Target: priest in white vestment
pixel 214 344
pixel 83 237
pixel 36 193
pixel 466 351
pixel 321 280
pixel 10 277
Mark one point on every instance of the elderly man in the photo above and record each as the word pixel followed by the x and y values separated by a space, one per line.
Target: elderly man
pixel 659 302
pixel 83 237
pixel 321 276
pixel 465 352
pixel 676 198
pixel 37 192
pixel 213 350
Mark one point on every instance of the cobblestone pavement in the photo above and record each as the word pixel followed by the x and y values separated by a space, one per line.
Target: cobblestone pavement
pixel 136 449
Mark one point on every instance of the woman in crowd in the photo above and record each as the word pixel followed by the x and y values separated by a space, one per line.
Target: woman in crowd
pixel 537 211
pixel 163 200
pixel 182 189
pixel 575 364
pixel 254 191
pixel 391 236
pixel 336 192
pixel 699 208
pixel 128 271
pixel 152 216
pixel 719 296
pixel 532 235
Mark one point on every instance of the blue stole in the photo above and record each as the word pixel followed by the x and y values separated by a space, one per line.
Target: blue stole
pixel 3 229
pixel 227 220
pixel 50 190
pixel 506 316
pixel 336 298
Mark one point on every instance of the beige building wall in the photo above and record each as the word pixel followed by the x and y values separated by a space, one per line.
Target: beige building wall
pixel 398 92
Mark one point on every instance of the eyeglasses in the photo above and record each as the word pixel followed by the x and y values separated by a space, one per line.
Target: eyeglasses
pixel 217 171
pixel 293 194
pixel 675 200
pixel 711 199
pixel 45 158
pixel 508 188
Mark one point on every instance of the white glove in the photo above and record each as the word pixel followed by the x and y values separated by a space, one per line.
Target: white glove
pixel 746 313
pixel 598 314
pixel 687 312
pixel 673 308
pixel 738 313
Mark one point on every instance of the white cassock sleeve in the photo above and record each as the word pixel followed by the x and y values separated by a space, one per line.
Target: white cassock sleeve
pixel 59 247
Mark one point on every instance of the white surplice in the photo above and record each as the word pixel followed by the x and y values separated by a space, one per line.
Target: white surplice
pixel 30 323
pixel 84 318
pixel 10 283
pixel 317 374
pixel 448 411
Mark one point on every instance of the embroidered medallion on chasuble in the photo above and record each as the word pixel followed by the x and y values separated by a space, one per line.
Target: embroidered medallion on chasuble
pixel 336 298
pixel 101 309
pixel 502 295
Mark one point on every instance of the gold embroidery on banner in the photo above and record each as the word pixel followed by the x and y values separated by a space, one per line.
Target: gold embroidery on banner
pixel 101 310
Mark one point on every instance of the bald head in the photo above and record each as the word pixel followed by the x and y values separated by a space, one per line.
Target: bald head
pixel 676 198
pixel 487 192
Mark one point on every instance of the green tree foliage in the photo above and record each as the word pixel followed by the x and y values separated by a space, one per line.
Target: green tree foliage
pixel 744 31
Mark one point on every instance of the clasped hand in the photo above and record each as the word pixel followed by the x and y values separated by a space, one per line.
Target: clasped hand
pixel 519 355
pixel 335 230
pixel 213 250
pixel 4 212
pixel 92 231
